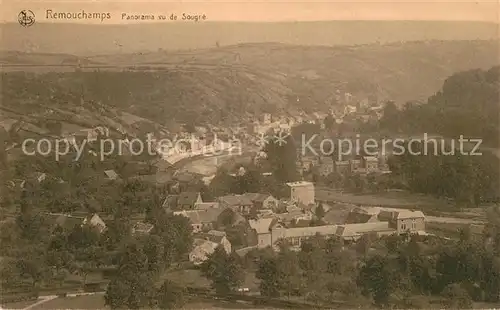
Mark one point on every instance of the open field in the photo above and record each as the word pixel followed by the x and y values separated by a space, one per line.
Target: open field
pixel 193 278
pixel 208 165
pixel 79 302
pixel 394 199
pixel 451 220
pixel 222 304
pixel 19 304
pixel 97 302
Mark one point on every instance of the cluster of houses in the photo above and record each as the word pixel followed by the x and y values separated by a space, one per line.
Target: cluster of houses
pixel 342 107
pixel 326 165
pixel 272 220
pixel 269 220
pixel 360 221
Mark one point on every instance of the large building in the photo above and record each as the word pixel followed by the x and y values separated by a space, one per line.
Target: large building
pixel 295 236
pixel 302 192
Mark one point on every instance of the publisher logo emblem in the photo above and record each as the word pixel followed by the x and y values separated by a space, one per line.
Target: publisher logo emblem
pixel 26 18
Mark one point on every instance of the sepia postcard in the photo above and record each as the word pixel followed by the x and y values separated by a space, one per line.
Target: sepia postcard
pixel 250 154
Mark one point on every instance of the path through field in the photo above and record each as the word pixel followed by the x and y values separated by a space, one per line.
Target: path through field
pixel 44 299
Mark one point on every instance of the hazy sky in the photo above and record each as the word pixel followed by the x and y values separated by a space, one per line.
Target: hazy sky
pixel 465 10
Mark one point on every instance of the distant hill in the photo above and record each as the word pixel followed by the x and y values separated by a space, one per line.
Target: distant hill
pixel 103 39
pixel 396 71
pixel 234 84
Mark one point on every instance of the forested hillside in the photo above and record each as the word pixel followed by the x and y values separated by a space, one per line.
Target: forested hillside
pixel 233 83
pixel 467 105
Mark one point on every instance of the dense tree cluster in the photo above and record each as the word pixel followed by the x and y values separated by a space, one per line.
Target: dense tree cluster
pixel 252 181
pixel 469 180
pixel 40 252
pixel 223 270
pixel 396 271
pixel 467 105
pixel 282 155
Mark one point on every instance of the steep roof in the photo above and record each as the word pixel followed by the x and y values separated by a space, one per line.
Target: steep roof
pixel 202 216
pixel 187 198
pixel 304 231
pixel 169 201
pixel 214 236
pixel 368 210
pixel 203 246
pixel 335 216
pixel 398 214
pixel 257 197
pixel 142 227
pixel 111 174
pixel 408 214
pixel 357 218
pixel 206 205
pixel 236 200
pixel 351 230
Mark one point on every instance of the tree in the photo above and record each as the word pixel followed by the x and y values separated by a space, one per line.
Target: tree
pixel 269 276
pixel 377 278
pixel 154 250
pixel 117 294
pixel 222 183
pixel 314 266
pixel 457 297
pixel 250 182
pixel 31 264
pixel 132 285
pixel 364 244
pixel 281 154
pixel 290 274
pixel 89 259
pixel 223 270
pixel 329 122
pixel 30 221
pixel 175 248
pixel 320 211
pixel 170 296
pixel 10 273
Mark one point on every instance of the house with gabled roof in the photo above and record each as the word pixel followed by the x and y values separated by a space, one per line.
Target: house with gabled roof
pixel 262 228
pixel 403 221
pixel 111 174
pixel 218 237
pixel 188 200
pixel 206 205
pixel 361 215
pixel 353 232
pixel 238 203
pixel 202 249
pixel 295 236
pixel 302 192
pixel 170 203
pixel 201 220
pixel 142 228
pixel 40 176
pixel 69 222
pixel 262 201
